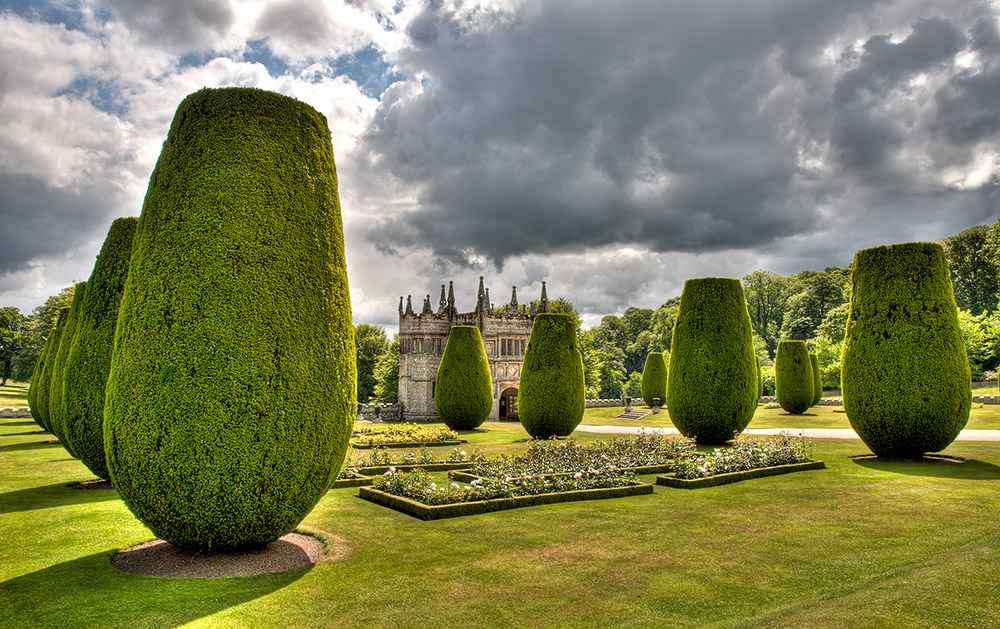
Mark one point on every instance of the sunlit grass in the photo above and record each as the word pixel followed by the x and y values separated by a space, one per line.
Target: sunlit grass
pixel 856 544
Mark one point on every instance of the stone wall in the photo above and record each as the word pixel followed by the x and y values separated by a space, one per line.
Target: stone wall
pixel 379 412
pixel 14 411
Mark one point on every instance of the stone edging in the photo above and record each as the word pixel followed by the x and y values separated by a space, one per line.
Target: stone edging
pixel 735 477
pixel 408 444
pixel 437 512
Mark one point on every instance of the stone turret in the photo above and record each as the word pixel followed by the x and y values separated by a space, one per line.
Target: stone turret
pixel 427 307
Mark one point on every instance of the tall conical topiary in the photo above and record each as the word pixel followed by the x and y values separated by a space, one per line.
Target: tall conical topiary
pixel 35 385
pixel 711 380
pixel 59 367
pixel 654 378
pixel 551 399
pixel 817 379
pixel 905 372
pixel 231 394
pixel 463 391
pixel 793 377
pixel 86 373
pixel 45 382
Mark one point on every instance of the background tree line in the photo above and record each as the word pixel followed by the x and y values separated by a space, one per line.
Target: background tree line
pixel 810 306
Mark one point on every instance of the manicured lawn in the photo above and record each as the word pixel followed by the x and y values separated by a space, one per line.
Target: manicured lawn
pixel 857 544
pixel 986 417
pixel 14 394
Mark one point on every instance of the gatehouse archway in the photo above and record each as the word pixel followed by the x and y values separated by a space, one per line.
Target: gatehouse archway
pixel 508 405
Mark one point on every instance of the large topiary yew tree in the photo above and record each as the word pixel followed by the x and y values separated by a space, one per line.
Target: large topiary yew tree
pixel 231 394
pixel 551 396
pixel 712 377
pixel 463 391
pixel 86 372
pixel 905 372
pixel 793 377
pixel 654 379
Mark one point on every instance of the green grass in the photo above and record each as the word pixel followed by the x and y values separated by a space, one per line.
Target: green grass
pixel 857 544
pixel 986 417
pixel 14 394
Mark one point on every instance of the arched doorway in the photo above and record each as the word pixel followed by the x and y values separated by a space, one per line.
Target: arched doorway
pixel 508 405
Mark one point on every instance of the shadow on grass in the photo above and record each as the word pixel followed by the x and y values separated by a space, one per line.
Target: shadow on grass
pixel 91 593
pixel 26 433
pixel 31 423
pixel 971 469
pixel 55 495
pixel 31 445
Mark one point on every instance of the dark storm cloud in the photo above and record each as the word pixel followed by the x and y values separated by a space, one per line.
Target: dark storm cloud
pixel 42 221
pixel 679 126
pixel 179 23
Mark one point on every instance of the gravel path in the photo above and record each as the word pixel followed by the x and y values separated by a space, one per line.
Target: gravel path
pixel 811 433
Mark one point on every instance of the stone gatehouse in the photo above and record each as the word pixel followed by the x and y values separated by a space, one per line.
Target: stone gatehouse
pixel 422 339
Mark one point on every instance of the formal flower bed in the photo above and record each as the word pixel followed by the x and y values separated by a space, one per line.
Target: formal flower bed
pixel 645 450
pixel 418 485
pixel 746 454
pixel 360 465
pixel 396 435
pixel 749 458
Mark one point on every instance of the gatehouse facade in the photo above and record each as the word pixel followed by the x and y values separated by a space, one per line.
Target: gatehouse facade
pixel 422 338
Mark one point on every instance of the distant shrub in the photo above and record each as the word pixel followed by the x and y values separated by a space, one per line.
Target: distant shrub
pixel 654 378
pixel 551 394
pixel 905 373
pixel 463 391
pixel 44 384
pixel 712 378
pixel 59 367
pixel 36 385
pixel 793 376
pixel 817 379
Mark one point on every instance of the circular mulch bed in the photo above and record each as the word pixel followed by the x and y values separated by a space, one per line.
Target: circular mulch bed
pixel 96 483
pixel 162 559
pixel 927 458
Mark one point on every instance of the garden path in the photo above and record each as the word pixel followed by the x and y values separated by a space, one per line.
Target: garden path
pixel 811 433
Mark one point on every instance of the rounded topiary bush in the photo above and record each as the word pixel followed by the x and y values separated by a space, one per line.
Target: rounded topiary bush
pixel 905 372
pixel 711 380
pixel 793 376
pixel 654 378
pixel 817 379
pixel 231 393
pixel 463 391
pixel 86 371
pixel 59 367
pixel 551 392
pixel 45 381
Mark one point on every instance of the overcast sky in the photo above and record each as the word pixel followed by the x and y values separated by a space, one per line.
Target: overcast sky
pixel 612 148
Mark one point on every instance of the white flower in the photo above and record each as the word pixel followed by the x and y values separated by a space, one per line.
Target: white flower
pixel 578 475
pixel 454 487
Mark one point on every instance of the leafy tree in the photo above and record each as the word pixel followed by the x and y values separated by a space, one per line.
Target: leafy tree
pixel 561 305
pixel 981 334
pixel 817 295
pixel 767 296
pixel 12 324
pixel 633 386
pixel 611 373
pixel 834 324
pixel 972 264
pixel 372 343
pixel 662 324
pixel 386 374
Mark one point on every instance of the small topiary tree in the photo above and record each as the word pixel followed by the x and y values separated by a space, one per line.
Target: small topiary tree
pixel 793 376
pixel 760 379
pixel 905 372
pixel 551 392
pixel 44 384
pixel 712 381
pixel 231 395
pixel 654 378
pixel 463 391
pixel 35 385
pixel 86 371
pixel 59 367
pixel 817 379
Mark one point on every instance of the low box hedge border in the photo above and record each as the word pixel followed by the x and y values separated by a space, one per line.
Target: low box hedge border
pixel 442 466
pixel 465 477
pixel 408 444
pixel 437 512
pixel 735 477
pixel 351 482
